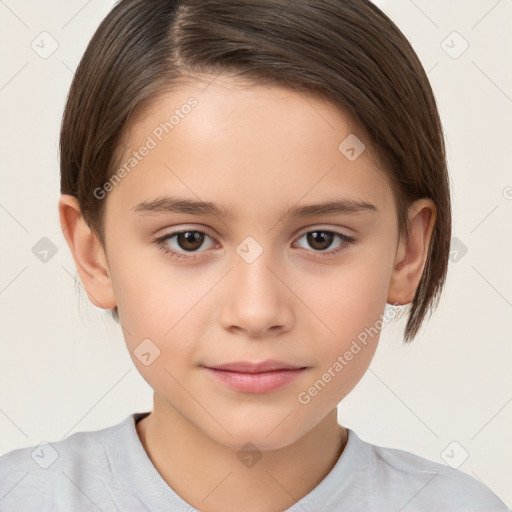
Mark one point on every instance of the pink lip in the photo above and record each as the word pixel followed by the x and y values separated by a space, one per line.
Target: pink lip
pixel 248 377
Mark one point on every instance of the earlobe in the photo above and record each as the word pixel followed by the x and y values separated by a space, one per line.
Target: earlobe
pixel 90 259
pixel 411 255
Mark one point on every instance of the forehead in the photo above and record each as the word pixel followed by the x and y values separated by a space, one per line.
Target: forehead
pixel 239 144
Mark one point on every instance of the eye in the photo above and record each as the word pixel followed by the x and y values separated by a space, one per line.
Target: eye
pixel 322 239
pixel 183 244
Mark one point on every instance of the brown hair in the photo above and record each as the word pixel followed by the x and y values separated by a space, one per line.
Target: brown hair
pixel 346 51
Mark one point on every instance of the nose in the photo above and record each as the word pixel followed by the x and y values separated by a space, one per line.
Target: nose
pixel 257 301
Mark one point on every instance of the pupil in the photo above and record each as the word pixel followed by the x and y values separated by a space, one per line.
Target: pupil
pixel 320 239
pixel 190 240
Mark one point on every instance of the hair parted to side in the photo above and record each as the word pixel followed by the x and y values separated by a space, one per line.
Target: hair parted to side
pixel 346 51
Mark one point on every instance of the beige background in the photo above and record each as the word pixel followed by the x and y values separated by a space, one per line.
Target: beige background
pixel 64 367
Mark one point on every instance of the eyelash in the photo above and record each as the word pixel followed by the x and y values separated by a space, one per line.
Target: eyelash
pixel 161 243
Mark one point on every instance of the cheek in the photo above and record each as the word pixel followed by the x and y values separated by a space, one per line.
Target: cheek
pixel 153 310
pixel 149 293
pixel 348 301
pixel 161 302
pixel 346 298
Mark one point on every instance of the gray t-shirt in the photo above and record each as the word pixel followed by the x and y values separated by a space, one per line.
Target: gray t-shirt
pixel 109 470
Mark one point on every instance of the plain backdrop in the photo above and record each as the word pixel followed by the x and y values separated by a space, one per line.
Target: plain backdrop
pixel 64 367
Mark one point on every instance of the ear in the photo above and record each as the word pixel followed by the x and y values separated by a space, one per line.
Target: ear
pixel 90 258
pixel 411 256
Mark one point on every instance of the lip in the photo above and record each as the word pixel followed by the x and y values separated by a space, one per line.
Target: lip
pixel 254 367
pixel 255 377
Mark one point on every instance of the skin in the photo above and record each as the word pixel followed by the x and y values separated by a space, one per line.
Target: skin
pixel 256 150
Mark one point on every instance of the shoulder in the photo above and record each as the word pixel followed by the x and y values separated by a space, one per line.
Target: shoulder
pixel 60 471
pixel 80 448
pixel 419 484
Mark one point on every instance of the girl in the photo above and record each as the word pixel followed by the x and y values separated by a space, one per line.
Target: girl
pixel 247 186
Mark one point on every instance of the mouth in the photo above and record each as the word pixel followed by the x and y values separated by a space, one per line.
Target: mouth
pixel 255 377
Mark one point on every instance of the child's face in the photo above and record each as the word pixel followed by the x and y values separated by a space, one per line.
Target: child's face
pixel 256 151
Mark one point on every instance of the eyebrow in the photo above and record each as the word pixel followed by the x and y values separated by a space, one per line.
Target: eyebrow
pixel 191 207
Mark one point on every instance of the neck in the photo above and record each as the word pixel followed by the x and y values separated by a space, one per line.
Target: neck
pixel 210 476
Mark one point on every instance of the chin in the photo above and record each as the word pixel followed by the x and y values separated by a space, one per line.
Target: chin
pixel 251 439
pixel 264 431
